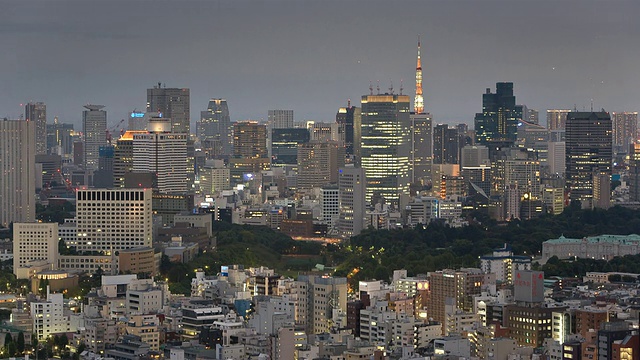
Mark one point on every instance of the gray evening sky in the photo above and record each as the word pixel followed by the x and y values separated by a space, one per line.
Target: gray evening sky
pixel 311 56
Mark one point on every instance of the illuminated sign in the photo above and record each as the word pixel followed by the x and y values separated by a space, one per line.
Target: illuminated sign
pixel 137 115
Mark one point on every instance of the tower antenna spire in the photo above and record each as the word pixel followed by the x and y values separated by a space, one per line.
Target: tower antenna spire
pixel 418 101
pixel 378 87
pixel 370 88
pixel 400 86
pixel 391 87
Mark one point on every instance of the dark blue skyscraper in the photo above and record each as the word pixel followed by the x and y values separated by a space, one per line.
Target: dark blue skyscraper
pixel 351 118
pixel 498 121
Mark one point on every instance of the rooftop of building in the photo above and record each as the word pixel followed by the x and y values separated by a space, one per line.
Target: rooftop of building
pixel 612 239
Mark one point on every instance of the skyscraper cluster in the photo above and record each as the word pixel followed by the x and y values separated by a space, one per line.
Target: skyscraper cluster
pixel 281 169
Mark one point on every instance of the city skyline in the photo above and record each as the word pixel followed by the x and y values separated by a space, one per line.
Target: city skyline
pixel 276 56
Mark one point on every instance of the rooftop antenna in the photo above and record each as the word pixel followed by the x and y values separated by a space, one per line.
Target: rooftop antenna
pixel 400 86
pixel 591 105
pixel 391 87
pixel 348 103
pixel 370 88
pixel 378 87
pixel 575 107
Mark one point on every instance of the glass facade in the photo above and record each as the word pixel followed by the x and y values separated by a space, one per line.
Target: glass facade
pixel 386 146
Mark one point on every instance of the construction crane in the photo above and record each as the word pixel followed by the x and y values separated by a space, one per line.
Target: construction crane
pixel 112 129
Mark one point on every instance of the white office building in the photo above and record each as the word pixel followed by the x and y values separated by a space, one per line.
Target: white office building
pixel 162 153
pixel 48 316
pixel 34 242
pixel 329 205
pixel 113 219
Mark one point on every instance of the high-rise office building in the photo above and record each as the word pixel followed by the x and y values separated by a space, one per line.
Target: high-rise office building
pixel 498 121
pixel 17 171
pixel 173 103
pixel 103 176
pixel 386 146
pixel 445 145
pixel 351 197
pixel 351 118
pixel 556 158
pixel 517 170
pixel 113 219
pixel 318 163
pixel 214 177
pixel 525 114
pixel 37 112
pixel 459 285
pixel 321 131
pixel 474 155
pixel 588 153
pixel 476 169
pixel 280 119
pixel 250 154
pixel 60 138
pixel 625 130
pixel 634 172
pixel 123 157
pixel 326 296
pixel 557 119
pixel 284 145
pixel 94 128
pixel 421 147
pixel 163 153
pixel 533 138
pixel 329 205
pixel 214 127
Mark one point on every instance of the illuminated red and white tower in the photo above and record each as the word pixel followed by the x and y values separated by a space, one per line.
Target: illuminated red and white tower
pixel 418 102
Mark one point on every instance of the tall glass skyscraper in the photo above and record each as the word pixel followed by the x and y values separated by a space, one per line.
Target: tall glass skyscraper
pixel 588 154
pixel 497 122
pixel 386 146
pixel 214 127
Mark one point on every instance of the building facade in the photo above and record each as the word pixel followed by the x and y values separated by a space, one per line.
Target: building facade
pixel 34 242
pixel 386 146
pixel 351 118
pixel 624 130
pixel 17 171
pixel 94 129
pixel 215 127
pixel 113 219
pixel 588 153
pixel 498 121
pixel 173 103
pixel 164 154
pixel 280 119
pixel 250 155
pixel 557 119
pixel 37 112
pixel 318 163
pixel 351 199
